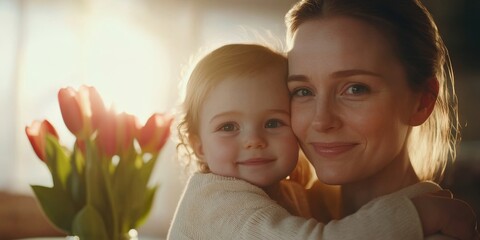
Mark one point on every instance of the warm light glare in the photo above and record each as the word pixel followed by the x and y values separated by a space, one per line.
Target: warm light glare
pixel 124 56
pixel 122 59
pixel 101 46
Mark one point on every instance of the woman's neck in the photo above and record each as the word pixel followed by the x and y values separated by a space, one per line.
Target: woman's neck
pixel 395 176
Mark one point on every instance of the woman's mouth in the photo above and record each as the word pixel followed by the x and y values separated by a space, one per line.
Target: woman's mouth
pixel 333 149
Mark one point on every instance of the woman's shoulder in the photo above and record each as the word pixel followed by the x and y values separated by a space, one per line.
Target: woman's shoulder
pixel 416 189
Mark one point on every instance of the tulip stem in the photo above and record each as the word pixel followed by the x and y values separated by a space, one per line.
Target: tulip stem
pixel 111 199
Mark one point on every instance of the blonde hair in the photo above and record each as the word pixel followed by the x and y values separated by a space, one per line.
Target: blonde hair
pixel 417 41
pixel 232 60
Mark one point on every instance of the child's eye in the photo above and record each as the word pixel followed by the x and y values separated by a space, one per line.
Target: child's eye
pixel 273 123
pixel 357 89
pixel 228 127
pixel 301 92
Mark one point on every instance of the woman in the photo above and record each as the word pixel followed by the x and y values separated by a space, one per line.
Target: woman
pixel 371 106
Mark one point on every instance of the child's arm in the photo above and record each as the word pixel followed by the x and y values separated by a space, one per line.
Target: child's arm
pixel 440 213
pixel 215 207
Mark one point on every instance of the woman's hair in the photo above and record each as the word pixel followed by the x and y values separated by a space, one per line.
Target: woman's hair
pixel 233 60
pixel 417 42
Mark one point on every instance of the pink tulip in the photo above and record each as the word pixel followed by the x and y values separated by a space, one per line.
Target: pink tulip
pixel 154 134
pixel 127 126
pixel 116 133
pixel 82 110
pixel 97 107
pixel 71 111
pixel 37 133
pixel 106 138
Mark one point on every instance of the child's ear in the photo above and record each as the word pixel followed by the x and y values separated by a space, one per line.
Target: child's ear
pixel 428 98
pixel 197 147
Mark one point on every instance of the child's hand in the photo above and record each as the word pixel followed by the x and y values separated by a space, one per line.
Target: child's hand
pixel 440 213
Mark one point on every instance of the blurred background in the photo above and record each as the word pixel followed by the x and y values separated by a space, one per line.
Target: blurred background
pixel 135 52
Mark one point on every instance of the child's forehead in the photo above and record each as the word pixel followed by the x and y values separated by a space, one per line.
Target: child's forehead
pixel 251 87
pixel 261 78
pixel 257 95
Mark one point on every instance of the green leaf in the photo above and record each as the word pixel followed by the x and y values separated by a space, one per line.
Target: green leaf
pixel 88 224
pixel 148 167
pixel 141 212
pixel 76 181
pixel 58 162
pixel 97 189
pixel 140 205
pixel 57 205
pixel 123 188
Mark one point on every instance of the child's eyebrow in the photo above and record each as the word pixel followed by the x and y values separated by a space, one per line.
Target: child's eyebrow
pixel 223 114
pixel 235 113
pixel 281 111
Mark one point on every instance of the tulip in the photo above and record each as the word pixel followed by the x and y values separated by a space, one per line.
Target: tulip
pixel 116 132
pixel 97 107
pixel 82 110
pixel 154 134
pixel 127 126
pixel 37 135
pixel 71 110
pixel 106 137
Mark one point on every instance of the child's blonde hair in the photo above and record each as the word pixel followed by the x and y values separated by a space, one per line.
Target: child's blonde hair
pixel 232 60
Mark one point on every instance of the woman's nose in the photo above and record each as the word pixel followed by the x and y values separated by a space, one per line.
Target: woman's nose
pixel 326 116
pixel 255 140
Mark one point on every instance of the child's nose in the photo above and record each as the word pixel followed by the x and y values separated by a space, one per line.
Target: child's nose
pixel 255 140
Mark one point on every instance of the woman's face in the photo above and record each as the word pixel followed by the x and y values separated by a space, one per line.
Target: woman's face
pixel 351 104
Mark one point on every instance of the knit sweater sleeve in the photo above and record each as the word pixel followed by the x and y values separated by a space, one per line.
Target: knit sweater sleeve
pixel 215 207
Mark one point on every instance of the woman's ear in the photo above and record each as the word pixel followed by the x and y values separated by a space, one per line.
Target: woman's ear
pixel 428 98
pixel 197 147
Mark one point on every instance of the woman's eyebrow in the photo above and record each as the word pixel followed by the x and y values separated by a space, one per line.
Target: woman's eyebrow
pixel 353 72
pixel 337 74
pixel 301 78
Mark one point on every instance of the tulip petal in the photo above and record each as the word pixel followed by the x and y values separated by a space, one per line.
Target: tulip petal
pixel 71 110
pixel 97 107
pixel 37 133
pixel 155 133
pixel 107 134
pixel 126 128
pixel 47 127
pixel 164 133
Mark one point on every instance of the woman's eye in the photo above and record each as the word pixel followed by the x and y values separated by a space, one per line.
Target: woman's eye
pixel 357 89
pixel 301 92
pixel 228 127
pixel 273 123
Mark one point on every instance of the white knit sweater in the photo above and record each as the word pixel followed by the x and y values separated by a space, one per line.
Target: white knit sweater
pixel 215 207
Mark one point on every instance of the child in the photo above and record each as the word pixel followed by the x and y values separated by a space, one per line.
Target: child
pixel 237 125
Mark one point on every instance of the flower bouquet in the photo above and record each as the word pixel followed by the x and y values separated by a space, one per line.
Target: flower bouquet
pixel 100 186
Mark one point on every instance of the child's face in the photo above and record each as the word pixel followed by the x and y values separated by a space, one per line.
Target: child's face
pixel 245 129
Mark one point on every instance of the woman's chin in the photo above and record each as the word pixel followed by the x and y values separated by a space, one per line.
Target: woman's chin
pixel 334 176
